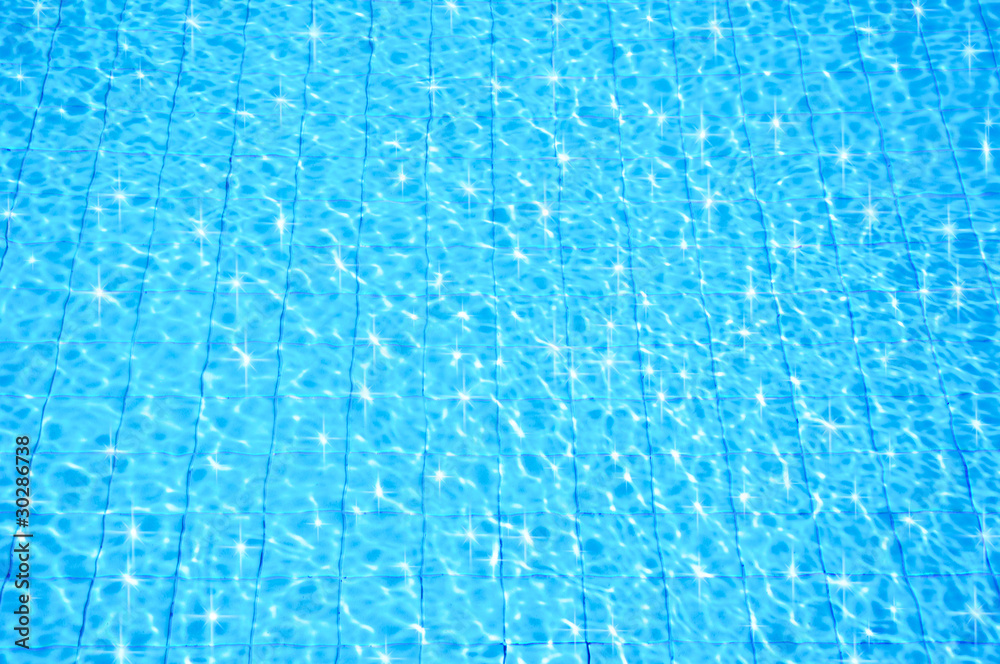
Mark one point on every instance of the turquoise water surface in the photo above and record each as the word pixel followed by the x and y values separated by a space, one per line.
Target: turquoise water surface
pixel 496 331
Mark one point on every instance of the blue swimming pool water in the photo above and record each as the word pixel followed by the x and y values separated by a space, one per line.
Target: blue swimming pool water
pixel 502 331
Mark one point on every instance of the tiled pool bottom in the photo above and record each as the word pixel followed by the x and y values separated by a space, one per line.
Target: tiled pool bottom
pixel 502 331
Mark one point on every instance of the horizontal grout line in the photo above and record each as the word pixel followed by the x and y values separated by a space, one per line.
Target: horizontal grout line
pixel 738 153
pixel 854 576
pixel 765 116
pixel 449 349
pixel 838 296
pixel 858 452
pixel 553 248
pixel 510 643
pixel 490 516
pixel 474 399
pixel 594 77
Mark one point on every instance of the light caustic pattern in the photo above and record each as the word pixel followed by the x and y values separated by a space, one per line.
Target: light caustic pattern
pixel 499 331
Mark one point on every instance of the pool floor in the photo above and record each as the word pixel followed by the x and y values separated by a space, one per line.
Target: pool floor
pixel 495 331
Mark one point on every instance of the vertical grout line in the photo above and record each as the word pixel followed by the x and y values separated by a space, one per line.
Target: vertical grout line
pixel 281 330
pixel 354 335
pixel 138 312
pixel 572 411
pixel 637 328
pixel 722 428
pixel 427 316
pixel 833 240
pixel 496 335
pixel 211 320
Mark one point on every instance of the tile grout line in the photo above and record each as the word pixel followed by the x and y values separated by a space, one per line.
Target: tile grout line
pixel 496 340
pixel 208 350
pixel 354 336
pixel 135 327
pixel 638 334
pixel 423 344
pixel 281 330
pixel 572 411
